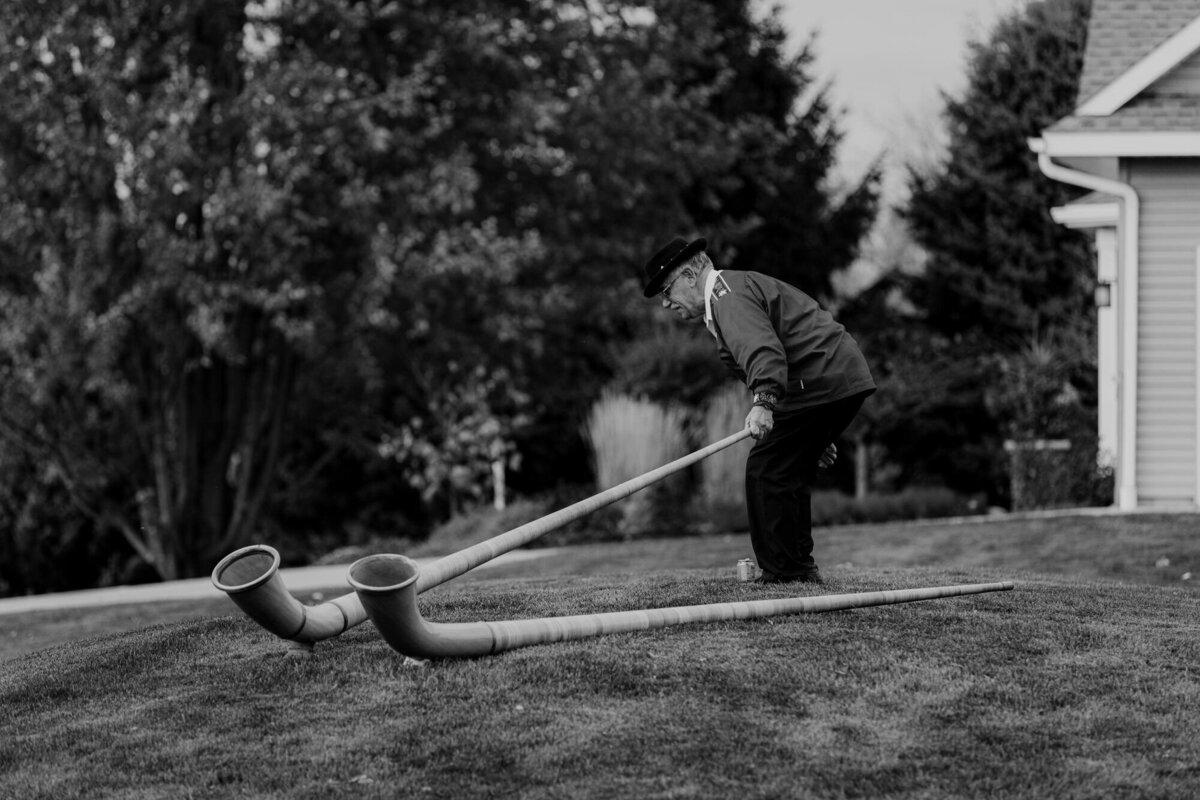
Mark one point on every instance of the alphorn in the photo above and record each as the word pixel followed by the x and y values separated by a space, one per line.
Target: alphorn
pixel 387 586
pixel 250 575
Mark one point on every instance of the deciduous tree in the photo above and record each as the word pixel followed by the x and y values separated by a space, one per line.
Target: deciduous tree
pixel 277 267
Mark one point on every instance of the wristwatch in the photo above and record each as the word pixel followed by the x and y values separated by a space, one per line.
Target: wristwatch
pixel 766 399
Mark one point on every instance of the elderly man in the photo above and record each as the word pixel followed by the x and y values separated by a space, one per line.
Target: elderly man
pixel 807 376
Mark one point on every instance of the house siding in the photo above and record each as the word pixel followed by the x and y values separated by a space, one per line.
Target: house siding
pixel 1169 190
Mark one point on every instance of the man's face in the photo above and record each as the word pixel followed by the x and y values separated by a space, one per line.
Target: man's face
pixel 683 295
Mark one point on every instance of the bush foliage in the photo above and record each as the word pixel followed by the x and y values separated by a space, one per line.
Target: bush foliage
pixel 835 508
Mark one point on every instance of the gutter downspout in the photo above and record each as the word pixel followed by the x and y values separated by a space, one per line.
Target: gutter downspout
pixel 1127 294
pixel 250 576
pixel 387 586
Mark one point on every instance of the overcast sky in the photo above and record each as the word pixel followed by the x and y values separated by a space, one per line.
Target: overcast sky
pixel 888 60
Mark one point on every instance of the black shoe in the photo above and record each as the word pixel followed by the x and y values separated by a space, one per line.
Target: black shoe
pixel 808 576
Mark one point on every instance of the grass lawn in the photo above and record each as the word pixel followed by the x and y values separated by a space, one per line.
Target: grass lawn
pixel 1082 682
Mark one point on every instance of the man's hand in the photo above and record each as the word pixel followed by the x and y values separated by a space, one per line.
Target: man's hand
pixel 828 457
pixel 760 420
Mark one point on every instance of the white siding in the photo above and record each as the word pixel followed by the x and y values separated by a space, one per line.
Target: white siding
pixel 1184 79
pixel 1169 190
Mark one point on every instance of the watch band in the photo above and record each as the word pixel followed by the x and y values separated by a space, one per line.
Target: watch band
pixel 767 400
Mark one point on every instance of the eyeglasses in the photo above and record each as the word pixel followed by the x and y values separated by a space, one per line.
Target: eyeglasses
pixel 667 289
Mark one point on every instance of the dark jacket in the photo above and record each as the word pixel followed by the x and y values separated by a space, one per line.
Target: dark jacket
pixel 776 338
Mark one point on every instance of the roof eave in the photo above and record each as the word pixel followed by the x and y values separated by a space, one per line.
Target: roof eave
pixel 1135 144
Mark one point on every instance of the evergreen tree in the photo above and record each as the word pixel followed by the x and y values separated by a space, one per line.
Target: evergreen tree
pixel 771 204
pixel 1000 276
pixel 998 267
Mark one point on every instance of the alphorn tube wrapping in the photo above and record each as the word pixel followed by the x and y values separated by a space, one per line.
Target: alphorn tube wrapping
pixel 250 576
pixel 387 586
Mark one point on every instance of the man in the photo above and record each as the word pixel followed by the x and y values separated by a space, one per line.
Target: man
pixel 806 373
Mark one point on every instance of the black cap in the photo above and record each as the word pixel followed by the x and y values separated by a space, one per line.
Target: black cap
pixel 670 256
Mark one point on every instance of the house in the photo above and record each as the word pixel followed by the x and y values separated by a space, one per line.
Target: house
pixel 1134 141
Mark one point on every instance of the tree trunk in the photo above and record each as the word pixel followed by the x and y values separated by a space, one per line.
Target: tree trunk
pixel 213 447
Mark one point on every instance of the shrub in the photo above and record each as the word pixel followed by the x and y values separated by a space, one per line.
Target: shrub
pixel 1043 477
pixel 459 532
pixel 603 525
pixel 478 524
pixel 671 364
pixel 348 554
pixel 1042 406
pixel 628 438
pixel 835 508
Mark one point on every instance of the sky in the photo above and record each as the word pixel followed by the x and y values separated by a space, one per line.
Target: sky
pixel 888 61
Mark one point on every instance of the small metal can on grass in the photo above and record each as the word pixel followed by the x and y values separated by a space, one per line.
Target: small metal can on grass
pixel 745 570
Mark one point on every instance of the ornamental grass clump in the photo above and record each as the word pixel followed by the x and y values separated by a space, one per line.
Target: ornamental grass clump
pixel 723 474
pixel 629 437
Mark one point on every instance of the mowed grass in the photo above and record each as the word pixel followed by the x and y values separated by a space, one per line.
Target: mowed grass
pixel 1082 682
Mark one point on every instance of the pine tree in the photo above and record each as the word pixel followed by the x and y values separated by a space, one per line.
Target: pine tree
pixel 1002 279
pixel 999 269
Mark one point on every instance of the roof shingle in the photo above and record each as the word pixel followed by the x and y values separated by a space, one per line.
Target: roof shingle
pixel 1122 32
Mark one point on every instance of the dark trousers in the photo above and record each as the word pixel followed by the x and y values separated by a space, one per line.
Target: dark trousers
pixel 779 471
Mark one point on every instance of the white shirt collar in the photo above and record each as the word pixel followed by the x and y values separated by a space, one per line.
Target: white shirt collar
pixel 709 283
